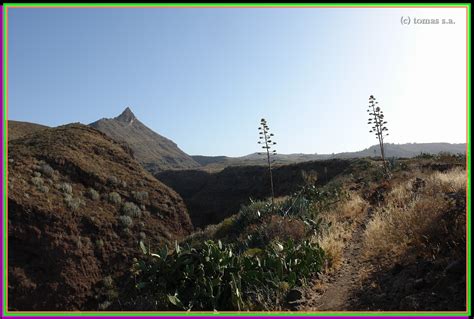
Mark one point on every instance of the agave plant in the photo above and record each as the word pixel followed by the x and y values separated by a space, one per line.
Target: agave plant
pixel 379 128
pixel 267 143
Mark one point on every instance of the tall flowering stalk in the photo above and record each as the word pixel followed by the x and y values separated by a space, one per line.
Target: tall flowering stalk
pixel 376 118
pixel 265 139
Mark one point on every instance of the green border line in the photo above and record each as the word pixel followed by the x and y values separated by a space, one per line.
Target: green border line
pixel 469 166
pixel 229 6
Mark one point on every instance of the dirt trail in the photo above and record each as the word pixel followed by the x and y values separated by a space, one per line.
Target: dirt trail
pixel 336 291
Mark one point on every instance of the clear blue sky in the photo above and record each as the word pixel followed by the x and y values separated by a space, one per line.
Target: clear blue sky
pixel 205 77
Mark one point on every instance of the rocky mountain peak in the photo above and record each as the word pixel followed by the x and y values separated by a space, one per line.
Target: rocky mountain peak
pixel 153 151
pixel 126 116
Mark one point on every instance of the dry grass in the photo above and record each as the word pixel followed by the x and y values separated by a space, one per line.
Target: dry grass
pixel 414 218
pixel 342 220
pixel 351 209
pixel 449 182
pixel 332 241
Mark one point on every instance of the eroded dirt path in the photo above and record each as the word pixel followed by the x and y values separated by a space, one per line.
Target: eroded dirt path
pixel 332 292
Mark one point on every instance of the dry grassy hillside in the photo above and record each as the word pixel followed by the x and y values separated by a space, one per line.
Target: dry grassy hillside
pixel 78 205
pixel 361 242
pixel 17 129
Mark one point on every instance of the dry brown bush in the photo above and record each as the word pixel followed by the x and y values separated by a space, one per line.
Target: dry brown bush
pixel 421 219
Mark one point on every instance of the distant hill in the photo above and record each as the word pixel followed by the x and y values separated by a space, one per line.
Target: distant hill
pixel 206 160
pixel 155 152
pixel 17 129
pixel 408 150
pixel 214 163
pixel 78 204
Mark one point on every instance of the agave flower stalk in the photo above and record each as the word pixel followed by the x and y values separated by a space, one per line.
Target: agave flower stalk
pixel 376 118
pixel 265 139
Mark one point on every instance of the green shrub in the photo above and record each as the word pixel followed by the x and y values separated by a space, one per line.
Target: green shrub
pixel 71 202
pixel 273 228
pixel 93 194
pixel 37 181
pixel 43 188
pixel 46 169
pixel 125 221
pixel 104 305
pixel 310 200
pixel 108 282
pixel 65 188
pixel 215 277
pixel 425 156
pixel 140 197
pixel 113 180
pixel 225 227
pixel 130 209
pixel 114 198
pixel 99 243
pixel 252 213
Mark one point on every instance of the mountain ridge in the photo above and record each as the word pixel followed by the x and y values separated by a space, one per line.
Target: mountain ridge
pixel 154 151
pixel 158 153
pixel 407 150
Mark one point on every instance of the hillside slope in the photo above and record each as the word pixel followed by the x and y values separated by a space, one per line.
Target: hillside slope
pixel 78 205
pixel 17 129
pixel 153 151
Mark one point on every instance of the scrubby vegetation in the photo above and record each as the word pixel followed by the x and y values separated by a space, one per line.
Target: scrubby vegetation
pixel 93 194
pixel 125 221
pixel 46 169
pixel 72 203
pixel 217 276
pixel 341 229
pixel 65 188
pixel 250 261
pixel 140 196
pixel 420 214
pixel 114 198
pixel 130 209
pixel 255 259
pixel 64 234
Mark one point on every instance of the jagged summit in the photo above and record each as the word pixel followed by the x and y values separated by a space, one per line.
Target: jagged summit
pixel 153 151
pixel 126 116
